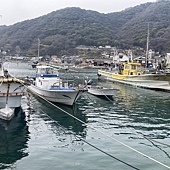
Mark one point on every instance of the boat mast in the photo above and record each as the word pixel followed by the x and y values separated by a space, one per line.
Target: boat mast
pixel 147 48
pixel 38 49
pixel 114 57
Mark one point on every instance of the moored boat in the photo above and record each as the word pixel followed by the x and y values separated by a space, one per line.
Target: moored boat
pixel 50 86
pixel 100 91
pixel 132 73
pixel 11 92
pixel 34 64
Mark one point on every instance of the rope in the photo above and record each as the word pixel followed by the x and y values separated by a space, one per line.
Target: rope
pixel 105 134
pixel 153 140
pixel 107 97
pixel 144 136
pixel 76 136
pixel 157 141
pixel 103 95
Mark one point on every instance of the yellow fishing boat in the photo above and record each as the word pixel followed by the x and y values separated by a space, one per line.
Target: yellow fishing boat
pixel 133 73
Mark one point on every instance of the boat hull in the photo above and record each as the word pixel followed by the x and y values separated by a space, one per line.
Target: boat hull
pixel 13 101
pixel 141 83
pixel 14 95
pixel 67 97
pixel 137 80
pixel 99 91
pixel 156 77
pixel 11 92
pixel 7 113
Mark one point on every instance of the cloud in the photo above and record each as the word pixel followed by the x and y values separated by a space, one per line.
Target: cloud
pixel 14 11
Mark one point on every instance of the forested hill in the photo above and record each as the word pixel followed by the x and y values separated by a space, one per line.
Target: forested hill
pixel 61 31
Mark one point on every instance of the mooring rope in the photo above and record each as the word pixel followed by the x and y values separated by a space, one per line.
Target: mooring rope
pixel 106 134
pixel 80 138
pixel 103 132
pixel 153 140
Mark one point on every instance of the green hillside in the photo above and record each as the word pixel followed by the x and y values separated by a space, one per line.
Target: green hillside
pixel 61 31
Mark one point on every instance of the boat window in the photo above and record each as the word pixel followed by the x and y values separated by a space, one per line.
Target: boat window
pixel 45 71
pixel 48 71
pixel 138 68
pixel 41 71
pixel 127 67
pixel 133 67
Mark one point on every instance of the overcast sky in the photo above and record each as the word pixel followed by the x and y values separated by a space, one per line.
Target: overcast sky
pixel 13 11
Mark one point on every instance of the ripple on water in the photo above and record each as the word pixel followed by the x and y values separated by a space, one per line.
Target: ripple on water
pixel 134 117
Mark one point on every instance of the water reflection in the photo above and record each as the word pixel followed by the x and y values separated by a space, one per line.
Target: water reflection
pixel 143 110
pixel 13 139
pixel 59 116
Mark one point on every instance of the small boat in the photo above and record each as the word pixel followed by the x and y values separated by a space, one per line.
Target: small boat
pixel 100 91
pixel 11 92
pixel 34 64
pixel 50 86
pixel 132 73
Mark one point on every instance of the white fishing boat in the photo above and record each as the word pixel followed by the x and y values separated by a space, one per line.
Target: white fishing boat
pixel 11 92
pixel 50 86
pixel 100 91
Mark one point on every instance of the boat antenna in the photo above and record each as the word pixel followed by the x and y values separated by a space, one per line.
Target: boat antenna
pixel 147 48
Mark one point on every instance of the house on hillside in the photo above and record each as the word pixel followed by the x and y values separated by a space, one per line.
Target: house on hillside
pixel 102 62
pixel 120 58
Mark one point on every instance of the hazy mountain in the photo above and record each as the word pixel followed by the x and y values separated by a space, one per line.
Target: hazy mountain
pixel 61 31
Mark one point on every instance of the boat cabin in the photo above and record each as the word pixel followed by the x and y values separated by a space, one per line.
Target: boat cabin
pixel 44 70
pixel 132 68
pixel 46 78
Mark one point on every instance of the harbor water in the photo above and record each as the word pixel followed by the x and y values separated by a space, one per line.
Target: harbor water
pixel 130 132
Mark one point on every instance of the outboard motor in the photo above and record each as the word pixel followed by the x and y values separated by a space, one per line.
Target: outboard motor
pixel 87 83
